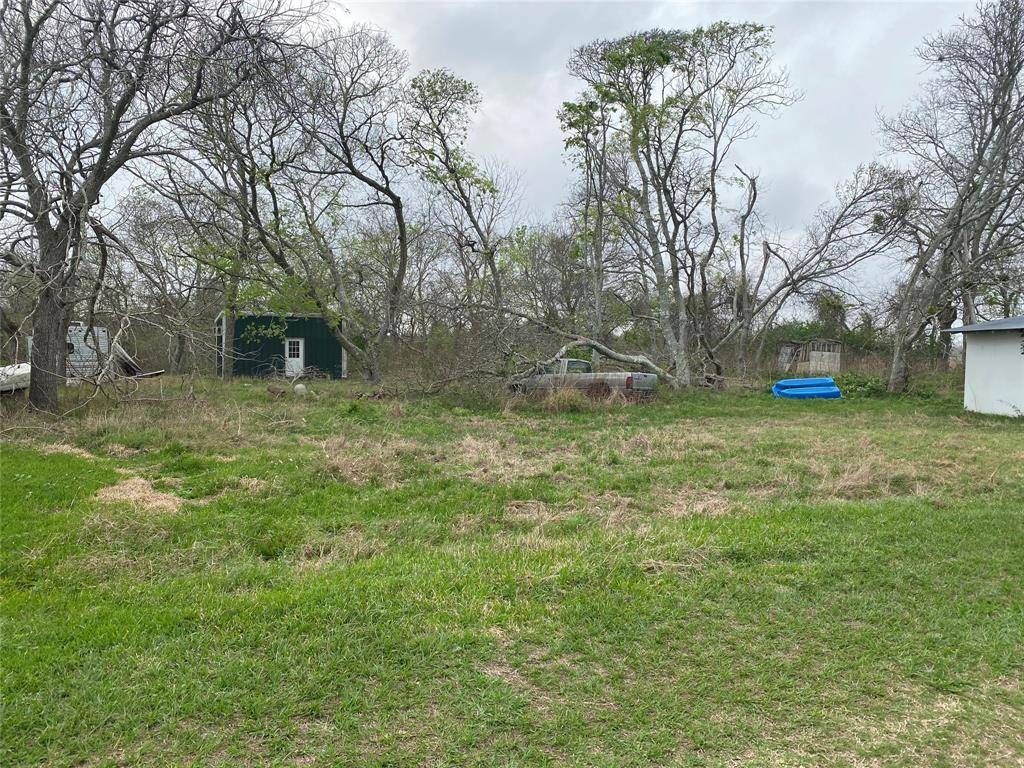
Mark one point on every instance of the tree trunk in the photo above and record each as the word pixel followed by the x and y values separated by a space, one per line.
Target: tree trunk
pixel 899 370
pixel 178 356
pixel 49 348
pixel 742 353
pixel 49 327
pixel 910 319
pixel 669 296
pixel 759 353
pixel 596 313
pixel 492 267
pixel 944 321
pixel 227 349
pixel 372 364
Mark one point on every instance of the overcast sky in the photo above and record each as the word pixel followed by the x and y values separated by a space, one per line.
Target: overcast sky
pixel 849 60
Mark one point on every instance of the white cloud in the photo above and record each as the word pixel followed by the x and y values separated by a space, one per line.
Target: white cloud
pixel 849 59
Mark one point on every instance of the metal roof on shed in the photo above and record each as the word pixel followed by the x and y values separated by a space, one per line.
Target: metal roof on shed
pixel 1006 324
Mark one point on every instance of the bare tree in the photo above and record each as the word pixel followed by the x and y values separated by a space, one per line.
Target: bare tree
pixel 682 100
pixel 587 124
pixel 91 83
pixel 480 200
pixel 965 138
pixel 354 117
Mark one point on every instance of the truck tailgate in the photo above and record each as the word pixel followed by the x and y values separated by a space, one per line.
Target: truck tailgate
pixel 644 382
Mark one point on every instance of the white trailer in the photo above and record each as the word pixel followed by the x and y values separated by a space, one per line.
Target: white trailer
pixel 14 378
pixel 90 355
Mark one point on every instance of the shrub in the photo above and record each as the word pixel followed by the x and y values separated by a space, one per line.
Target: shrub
pixel 936 385
pixel 567 400
pixel 861 385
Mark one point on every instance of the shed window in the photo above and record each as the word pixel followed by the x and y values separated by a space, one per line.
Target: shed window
pixel 294 349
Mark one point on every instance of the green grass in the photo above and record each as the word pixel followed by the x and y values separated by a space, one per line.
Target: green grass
pixel 708 580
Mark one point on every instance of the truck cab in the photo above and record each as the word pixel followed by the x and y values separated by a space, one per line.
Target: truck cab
pixel 567 365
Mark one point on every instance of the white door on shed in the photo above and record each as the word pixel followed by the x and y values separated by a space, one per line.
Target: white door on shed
pixel 294 356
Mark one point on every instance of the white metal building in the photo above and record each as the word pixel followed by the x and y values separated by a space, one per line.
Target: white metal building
pixel 90 351
pixel 994 366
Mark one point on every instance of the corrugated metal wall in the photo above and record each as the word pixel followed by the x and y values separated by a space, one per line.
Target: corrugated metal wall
pixel 85 349
pixel 259 345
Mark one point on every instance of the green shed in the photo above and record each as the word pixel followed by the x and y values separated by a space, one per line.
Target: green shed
pixel 290 345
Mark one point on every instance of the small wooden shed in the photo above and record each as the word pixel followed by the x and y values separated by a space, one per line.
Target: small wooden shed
pixel 994 366
pixel 289 345
pixel 816 356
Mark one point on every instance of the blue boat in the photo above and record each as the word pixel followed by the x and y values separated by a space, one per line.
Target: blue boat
pixel 807 389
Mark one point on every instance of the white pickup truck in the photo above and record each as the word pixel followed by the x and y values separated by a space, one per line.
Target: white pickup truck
pixel 578 374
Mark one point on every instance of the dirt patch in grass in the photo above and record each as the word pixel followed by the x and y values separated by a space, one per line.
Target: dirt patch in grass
pixel 140 494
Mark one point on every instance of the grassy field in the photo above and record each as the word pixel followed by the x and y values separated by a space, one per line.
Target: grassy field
pixel 708 580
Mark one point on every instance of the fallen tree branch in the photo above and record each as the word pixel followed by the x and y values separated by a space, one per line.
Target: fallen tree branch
pixel 579 340
pixel 436 386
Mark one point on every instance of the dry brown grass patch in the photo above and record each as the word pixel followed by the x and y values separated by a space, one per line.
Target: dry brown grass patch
pixel 488 459
pixel 346 547
pixel 107 530
pixel 696 562
pixel 692 501
pixel 139 493
pixel 116 543
pixel 361 460
pixel 534 512
pixel 674 441
pixel 981 726
pixel 119 451
pixel 252 484
pixel 539 699
pixel 612 507
pixel 65 449
pixel 867 474
pixel 537 539
pixel 568 401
